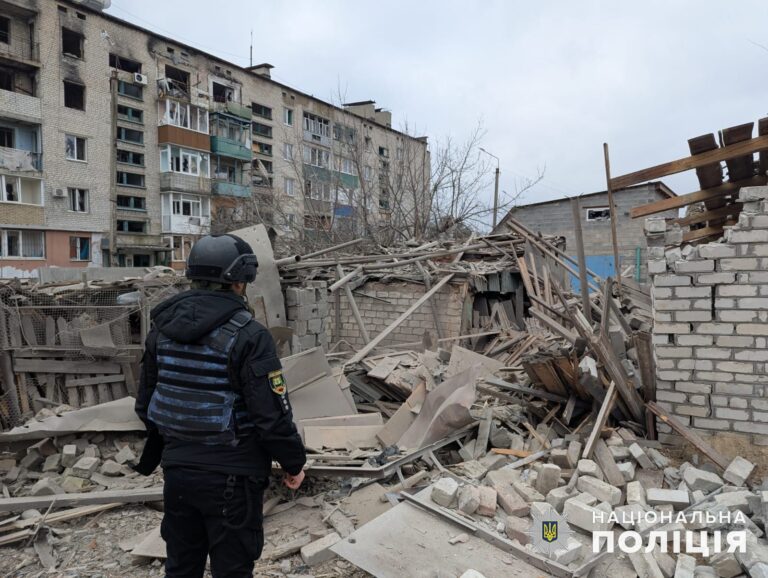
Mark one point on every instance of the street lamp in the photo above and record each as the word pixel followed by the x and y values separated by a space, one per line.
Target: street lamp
pixel 495 188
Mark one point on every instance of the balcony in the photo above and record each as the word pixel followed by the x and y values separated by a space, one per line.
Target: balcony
pixel 20 50
pixel 227 189
pixel 185 183
pixel 231 148
pixel 318 139
pixel 233 109
pixel 184 225
pixel 20 106
pixel 20 161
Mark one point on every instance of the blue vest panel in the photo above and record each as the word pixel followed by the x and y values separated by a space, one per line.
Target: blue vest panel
pixel 194 399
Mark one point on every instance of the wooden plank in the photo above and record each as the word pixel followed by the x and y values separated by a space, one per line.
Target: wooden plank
pixel 50 331
pixel 604 459
pixel 21 365
pixel 82 499
pixel 614 219
pixel 526 390
pixel 692 162
pixel 355 310
pixel 698 234
pixel 584 287
pixel 95 380
pixel 511 452
pixel 647 368
pixel 130 380
pixel 695 197
pixel 695 439
pixel 553 325
pixel 602 417
pixel 729 210
pixel 710 175
pixel 396 323
pixel 740 167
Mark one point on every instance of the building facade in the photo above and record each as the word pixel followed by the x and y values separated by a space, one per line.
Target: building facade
pixel 120 147
pixel 556 218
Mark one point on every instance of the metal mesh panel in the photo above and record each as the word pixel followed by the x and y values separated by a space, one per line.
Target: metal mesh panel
pixel 73 344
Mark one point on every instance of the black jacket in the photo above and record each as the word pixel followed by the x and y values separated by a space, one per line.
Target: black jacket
pixel 186 318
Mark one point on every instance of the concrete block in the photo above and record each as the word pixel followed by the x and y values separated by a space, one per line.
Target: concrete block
pixel 444 492
pixel 319 551
pixel 85 466
pixel 759 570
pixel 111 468
pixel 586 517
pixel 574 451
pixel 52 463
pixel 517 529
pixel 619 453
pixel 630 515
pixel 640 457
pixel 572 551
pixel 678 499
pixel 589 468
pixel 627 470
pixel 725 564
pixel 548 479
pixel 697 479
pixel 659 459
pixel 487 505
pixel 736 473
pixel 527 491
pixel 68 455
pixel 469 499
pixel 645 564
pixel 559 457
pixel 603 491
pixel 73 484
pixel 557 497
pixel 45 487
pixel 125 455
pixel 636 494
pixel 685 566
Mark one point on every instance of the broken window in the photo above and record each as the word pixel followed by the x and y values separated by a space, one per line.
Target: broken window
pixel 130 90
pixel 185 161
pixel 74 95
pixel 599 214
pixel 316 157
pixel 6 79
pixel 290 186
pixel 130 158
pixel 78 200
pixel 264 148
pixel 223 93
pixel 125 226
pixel 178 80
pixel 189 206
pixel 262 129
pixel 130 135
pixel 130 179
pixel 130 114
pixel 184 115
pixel 80 248
pixel 72 43
pixel 131 203
pixel 126 64
pixel 6 137
pixel 261 110
pixel 317 125
pixel 383 152
pixel 74 147
pixel 5 30
pixel 11 190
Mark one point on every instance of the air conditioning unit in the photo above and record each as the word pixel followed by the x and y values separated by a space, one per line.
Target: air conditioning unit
pixel 59 193
pixel 140 78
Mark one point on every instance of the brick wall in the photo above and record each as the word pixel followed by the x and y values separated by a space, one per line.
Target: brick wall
pixel 381 303
pixel 556 218
pixel 710 306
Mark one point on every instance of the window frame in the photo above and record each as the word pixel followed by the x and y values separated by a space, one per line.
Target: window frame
pixel 80 36
pixel 77 147
pixel 7 32
pixel 78 249
pixel 122 184
pixel 125 230
pixel 267 115
pixel 287 151
pixel 167 164
pixel 288 116
pixel 132 207
pixel 73 193
pixel 121 84
pixel 74 84
pixel 131 153
pixel 289 186
pixel 125 129
pixel 604 209
pixel 21 234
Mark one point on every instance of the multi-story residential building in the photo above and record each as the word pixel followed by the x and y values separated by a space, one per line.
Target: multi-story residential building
pixel 121 147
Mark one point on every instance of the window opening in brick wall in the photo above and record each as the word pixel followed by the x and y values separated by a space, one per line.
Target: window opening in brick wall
pixel 125 226
pixel 80 248
pixel 130 90
pixel 130 135
pixel 130 203
pixel 595 214
pixel 126 64
pixel 72 43
pixel 6 137
pixel 130 158
pixel 23 244
pixel 130 179
pixel 78 200
pixel 74 95
pixel 74 147
pixel 5 30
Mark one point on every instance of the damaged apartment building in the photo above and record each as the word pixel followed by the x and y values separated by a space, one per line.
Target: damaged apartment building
pixel 120 147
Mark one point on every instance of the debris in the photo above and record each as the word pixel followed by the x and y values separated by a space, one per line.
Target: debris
pixel 319 551
pixel 444 492
pixel 459 539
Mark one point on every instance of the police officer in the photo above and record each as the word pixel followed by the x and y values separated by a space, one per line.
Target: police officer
pixel 214 401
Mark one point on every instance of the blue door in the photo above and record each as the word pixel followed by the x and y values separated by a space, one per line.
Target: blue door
pixel 603 265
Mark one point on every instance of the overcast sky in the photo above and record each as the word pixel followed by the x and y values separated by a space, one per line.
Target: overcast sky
pixel 551 81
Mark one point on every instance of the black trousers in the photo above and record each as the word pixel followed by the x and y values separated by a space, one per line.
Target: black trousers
pixel 202 519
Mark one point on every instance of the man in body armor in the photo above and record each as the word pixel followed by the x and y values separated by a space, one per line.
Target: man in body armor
pixel 214 401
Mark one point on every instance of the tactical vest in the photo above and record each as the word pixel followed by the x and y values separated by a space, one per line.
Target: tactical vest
pixel 194 399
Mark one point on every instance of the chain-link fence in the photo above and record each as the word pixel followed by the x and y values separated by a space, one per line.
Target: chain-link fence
pixel 73 344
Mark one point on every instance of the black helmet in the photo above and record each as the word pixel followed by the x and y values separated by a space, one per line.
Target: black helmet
pixel 222 259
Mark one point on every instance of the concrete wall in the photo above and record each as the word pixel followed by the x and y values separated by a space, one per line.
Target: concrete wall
pixel 556 218
pixel 391 299
pixel 710 306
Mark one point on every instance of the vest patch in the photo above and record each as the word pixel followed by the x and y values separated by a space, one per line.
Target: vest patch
pixel 277 382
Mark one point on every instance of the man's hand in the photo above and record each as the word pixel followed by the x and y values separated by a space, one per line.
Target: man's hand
pixel 293 482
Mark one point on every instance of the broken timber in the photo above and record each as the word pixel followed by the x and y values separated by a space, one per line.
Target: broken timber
pixel 82 499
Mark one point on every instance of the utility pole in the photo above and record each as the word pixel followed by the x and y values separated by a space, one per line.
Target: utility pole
pixel 495 188
pixel 112 253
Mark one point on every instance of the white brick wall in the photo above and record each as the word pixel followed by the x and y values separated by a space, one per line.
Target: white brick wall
pixel 711 323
